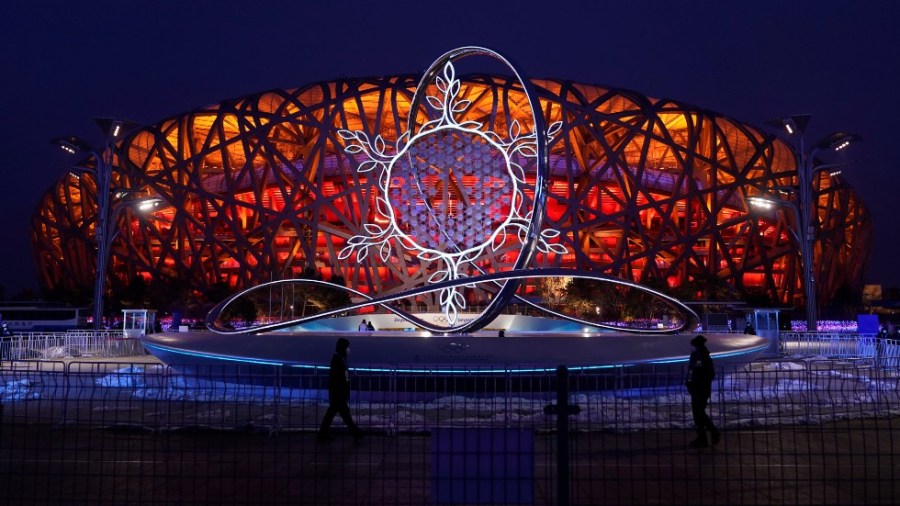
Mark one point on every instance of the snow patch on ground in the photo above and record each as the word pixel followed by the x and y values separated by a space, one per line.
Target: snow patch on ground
pixel 17 390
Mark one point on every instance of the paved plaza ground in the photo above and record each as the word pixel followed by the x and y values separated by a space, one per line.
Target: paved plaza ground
pixel 845 463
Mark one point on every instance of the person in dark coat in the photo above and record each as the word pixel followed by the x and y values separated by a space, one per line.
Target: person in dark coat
pixel 699 384
pixel 5 343
pixel 339 393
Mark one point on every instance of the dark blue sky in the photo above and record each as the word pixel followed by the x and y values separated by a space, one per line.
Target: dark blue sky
pixel 64 63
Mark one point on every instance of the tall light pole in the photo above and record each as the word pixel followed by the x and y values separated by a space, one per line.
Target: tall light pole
pixel 103 175
pixel 807 198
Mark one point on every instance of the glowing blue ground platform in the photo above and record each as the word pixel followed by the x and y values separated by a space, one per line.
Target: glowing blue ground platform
pixel 417 352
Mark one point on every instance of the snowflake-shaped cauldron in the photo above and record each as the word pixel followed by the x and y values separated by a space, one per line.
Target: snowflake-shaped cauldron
pixel 450 190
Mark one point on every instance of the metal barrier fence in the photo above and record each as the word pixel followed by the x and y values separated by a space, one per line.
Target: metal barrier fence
pixel 804 432
pixel 885 352
pixel 113 344
pixel 70 344
pixel 888 353
pixel 827 344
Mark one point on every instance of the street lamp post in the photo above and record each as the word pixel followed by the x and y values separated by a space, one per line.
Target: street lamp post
pixel 103 175
pixel 805 208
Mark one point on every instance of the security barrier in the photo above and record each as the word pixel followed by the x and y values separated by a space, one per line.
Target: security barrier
pixel 885 353
pixel 71 344
pixel 800 431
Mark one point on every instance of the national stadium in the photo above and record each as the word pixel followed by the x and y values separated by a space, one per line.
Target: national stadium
pixel 260 188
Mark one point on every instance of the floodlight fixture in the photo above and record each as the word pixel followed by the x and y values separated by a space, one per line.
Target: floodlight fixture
pixel 838 140
pixel 72 144
pixel 114 128
pixel 795 124
pixel 760 202
pixel 147 204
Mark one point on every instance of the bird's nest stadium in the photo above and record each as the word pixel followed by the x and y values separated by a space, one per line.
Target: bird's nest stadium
pixel 263 187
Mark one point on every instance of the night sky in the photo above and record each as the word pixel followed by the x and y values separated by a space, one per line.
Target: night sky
pixel 65 63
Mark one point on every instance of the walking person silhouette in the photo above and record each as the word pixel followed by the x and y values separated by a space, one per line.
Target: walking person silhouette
pixel 699 384
pixel 339 393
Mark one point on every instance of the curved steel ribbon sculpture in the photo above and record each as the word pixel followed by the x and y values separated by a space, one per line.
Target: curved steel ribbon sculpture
pixel 689 321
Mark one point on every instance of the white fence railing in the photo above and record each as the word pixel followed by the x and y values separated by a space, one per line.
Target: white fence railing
pixel 113 343
pixel 886 352
pixel 827 344
pixel 889 353
pixel 71 344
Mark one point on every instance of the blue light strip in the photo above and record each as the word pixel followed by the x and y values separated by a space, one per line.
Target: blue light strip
pixel 452 371
pixel 212 356
pixel 724 354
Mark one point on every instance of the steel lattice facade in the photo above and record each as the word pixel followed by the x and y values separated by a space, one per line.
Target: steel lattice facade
pixel 259 188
